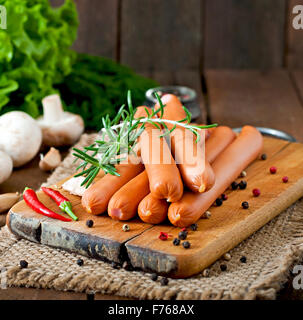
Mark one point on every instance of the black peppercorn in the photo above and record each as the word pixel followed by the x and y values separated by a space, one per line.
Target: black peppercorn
pixel 115 265
pixel 164 281
pixel 23 264
pixel 194 227
pixel 182 235
pixel 245 205
pixel 176 242
pixel 89 223
pixel 224 197
pixel 223 267
pixel 264 156
pixel 80 262
pixel 219 202
pixel 154 276
pixel 234 185
pixel 186 244
pixel 243 184
pixel 243 259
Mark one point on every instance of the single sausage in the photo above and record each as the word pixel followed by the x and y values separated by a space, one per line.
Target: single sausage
pixel 124 203
pixel 164 177
pixel 227 167
pixel 96 198
pixel 152 210
pixel 220 138
pixel 197 174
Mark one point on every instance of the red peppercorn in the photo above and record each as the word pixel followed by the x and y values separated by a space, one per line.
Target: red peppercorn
pixel 273 170
pixel 285 179
pixel 163 236
pixel 256 192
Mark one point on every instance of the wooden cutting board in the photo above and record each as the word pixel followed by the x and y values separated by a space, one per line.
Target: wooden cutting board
pixel 227 227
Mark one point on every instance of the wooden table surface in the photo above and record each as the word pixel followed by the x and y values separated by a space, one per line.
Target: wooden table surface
pixel 230 97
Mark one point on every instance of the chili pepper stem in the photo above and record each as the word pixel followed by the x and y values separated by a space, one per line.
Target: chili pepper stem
pixel 66 207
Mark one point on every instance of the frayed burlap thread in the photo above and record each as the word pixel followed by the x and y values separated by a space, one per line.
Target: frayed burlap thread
pixel 270 253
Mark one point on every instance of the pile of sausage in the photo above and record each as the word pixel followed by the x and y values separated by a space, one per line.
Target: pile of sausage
pixel 179 190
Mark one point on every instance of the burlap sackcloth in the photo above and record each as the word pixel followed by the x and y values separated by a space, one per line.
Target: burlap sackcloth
pixel 270 252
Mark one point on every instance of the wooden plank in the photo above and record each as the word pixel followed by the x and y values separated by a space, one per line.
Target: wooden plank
pixel 39 294
pixel 104 241
pixel 298 82
pixel 192 79
pixel 229 224
pixel 161 35
pixel 244 34
pixel 294 45
pixel 98 28
pixel 266 99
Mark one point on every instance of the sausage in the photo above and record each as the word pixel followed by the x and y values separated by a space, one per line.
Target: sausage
pixel 219 139
pixel 164 177
pixel 197 175
pixel 124 203
pixel 152 210
pixel 96 198
pixel 227 167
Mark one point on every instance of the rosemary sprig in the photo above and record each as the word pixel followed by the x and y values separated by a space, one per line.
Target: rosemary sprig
pixel 119 136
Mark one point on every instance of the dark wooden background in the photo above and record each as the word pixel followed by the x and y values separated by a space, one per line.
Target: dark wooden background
pixel 242 56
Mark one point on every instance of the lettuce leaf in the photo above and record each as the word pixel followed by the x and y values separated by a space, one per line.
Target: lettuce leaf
pixel 34 52
pixel 36 60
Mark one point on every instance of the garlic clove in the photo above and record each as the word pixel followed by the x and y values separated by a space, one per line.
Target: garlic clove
pixel 51 160
pixel 7 200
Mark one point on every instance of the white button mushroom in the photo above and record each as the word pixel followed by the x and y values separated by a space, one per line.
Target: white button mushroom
pixel 6 166
pixel 20 137
pixel 59 128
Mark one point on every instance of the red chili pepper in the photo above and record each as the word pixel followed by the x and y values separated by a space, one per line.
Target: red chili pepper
pixel 63 203
pixel 31 199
